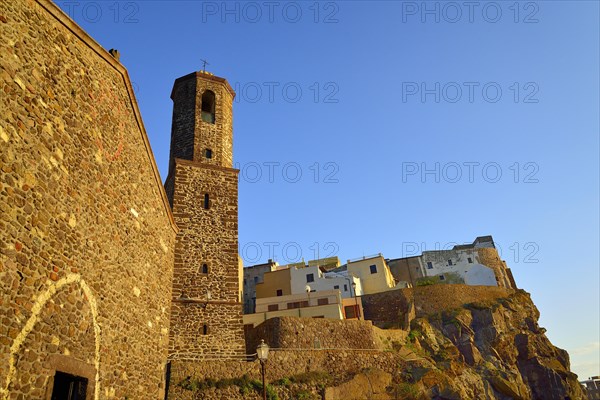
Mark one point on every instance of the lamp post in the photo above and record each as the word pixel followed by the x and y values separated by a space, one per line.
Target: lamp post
pixel 308 289
pixel 262 351
pixel 356 300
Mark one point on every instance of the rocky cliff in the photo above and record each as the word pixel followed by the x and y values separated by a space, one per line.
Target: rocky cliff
pixel 493 349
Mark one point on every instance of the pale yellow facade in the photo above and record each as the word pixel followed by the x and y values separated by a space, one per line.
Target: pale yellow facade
pixel 274 282
pixel 373 279
pixel 314 305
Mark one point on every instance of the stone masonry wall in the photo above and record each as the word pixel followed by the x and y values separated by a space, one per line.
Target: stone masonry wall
pixel 206 237
pixel 388 309
pixel 306 333
pixel 391 308
pixel 218 136
pixel 86 235
pixel 340 364
pixel 490 258
pixel 207 321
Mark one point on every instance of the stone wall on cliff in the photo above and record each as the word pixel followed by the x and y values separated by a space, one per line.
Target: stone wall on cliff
pixel 396 308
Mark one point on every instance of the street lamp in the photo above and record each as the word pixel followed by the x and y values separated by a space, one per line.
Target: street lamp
pixel 262 351
pixel 356 300
pixel 308 289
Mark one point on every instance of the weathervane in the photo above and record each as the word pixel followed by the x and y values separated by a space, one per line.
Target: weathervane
pixel 205 63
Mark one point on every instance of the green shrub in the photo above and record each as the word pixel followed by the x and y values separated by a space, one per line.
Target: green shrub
pixel 245 384
pixel 282 382
pixel 408 391
pixel 305 395
pixel 311 377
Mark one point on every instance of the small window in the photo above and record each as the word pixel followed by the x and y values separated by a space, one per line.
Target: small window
pixel 297 304
pixel 206 204
pixel 350 311
pixel 336 287
pixel 373 269
pixel 205 268
pixel 205 329
pixel 256 279
pixel 442 277
pixel 449 262
pixel 208 153
pixel 69 387
pixel 310 278
pixel 273 307
pixel 345 288
pixel 208 107
pixel 279 292
pixel 470 260
pixel 323 302
pixel 429 265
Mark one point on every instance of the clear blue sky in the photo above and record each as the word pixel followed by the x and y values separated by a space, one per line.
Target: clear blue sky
pixel 389 90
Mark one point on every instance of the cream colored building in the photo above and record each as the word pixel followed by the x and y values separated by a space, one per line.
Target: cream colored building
pixel 374 274
pixel 295 278
pixel 325 304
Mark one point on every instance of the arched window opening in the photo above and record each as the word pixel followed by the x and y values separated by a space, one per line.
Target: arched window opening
pixel 205 268
pixel 205 329
pixel 206 204
pixel 208 107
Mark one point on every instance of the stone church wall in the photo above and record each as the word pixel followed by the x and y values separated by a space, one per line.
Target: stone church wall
pixel 86 235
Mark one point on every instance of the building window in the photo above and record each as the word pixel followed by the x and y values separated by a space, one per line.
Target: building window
pixel 297 304
pixel 345 288
pixel 336 287
pixel 470 260
pixel 429 265
pixel 350 311
pixel 206 204
pixel 373 269
pixel 256 279
pixel 208 107
pixel 205 329
pixel 205 268
pixel 449 262
pixel 273 307
pixel 208 153
pixel 310 278
pixel 279 292
pixel 69 387
pixel 323 302
pixel 442 277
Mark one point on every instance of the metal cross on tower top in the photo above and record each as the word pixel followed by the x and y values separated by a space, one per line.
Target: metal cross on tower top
pixel 204 64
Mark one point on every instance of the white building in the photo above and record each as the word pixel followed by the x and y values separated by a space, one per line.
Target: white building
pixel 317 281
pixel 463 264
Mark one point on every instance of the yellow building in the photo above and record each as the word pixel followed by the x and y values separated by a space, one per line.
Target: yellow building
pixel 275 283
pixel 373 272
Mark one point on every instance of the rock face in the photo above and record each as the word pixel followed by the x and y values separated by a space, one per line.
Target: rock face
pixel 490 350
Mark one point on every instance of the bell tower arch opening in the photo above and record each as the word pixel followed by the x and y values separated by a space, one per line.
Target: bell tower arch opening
pixel 208 106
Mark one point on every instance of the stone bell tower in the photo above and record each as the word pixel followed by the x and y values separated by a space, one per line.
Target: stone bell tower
pixel 202 186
